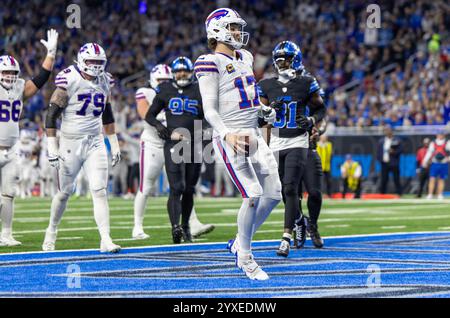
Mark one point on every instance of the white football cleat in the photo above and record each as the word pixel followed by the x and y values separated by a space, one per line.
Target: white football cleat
pixel 440 197
pixel 109 247
pixel 139 234
pixel 251 268
pixel 49 241
pixel 429 197
pixel 201 229
pixel 8 240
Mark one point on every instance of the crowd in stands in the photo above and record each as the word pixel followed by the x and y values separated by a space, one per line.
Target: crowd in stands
pixel 337 46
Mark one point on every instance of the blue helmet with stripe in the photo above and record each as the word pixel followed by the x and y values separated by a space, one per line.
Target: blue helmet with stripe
pixel 287 57
pixel 180 64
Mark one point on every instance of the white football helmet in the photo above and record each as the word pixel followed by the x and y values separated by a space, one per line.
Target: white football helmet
pixel 91 59
pixel 10 65
pixel 218 27
pixel 160 72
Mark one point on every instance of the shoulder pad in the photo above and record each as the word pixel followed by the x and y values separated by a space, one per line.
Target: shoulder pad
pixel 63 78
pixel 206 65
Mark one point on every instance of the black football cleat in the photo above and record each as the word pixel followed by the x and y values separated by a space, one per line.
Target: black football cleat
pixel 300 232
pixel 284 248
pixel 177 234
pixel 187 236
pixel 313 232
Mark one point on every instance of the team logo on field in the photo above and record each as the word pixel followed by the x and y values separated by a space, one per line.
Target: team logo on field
pixel 230 68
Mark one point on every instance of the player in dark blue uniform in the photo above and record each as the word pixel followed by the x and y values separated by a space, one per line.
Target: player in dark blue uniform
pixel 181 101
pixel 299 106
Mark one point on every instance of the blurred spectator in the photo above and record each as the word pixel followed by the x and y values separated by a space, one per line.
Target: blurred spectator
pixel 325 151
pixel 351 173
pixel 439 155
pixel 423 171
pixel 388 154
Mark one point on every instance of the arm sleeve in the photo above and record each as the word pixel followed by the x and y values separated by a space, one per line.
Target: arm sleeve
pixel 209 88
pixel 156 107
pixel 53 113
pixel 108 116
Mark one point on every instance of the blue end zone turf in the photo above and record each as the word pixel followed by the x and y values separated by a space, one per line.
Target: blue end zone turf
pixel 389 265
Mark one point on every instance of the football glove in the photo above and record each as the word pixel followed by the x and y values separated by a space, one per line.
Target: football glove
pixel 277 105
pixel 268 114
pixel 53 152
pixel 51 43
pixel 4 157
pixel 116 158
pixel 115 149
pixel 163 132
pixel 304 122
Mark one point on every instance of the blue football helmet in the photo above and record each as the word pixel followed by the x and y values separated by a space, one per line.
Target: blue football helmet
pixel 289 52
pixel 182 63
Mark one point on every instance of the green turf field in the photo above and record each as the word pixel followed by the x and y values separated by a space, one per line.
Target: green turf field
pixel 78 229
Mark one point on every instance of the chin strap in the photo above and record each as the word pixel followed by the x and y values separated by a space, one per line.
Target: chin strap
pixel 288 74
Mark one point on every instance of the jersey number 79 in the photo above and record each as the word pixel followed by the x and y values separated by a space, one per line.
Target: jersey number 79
pixel 98 101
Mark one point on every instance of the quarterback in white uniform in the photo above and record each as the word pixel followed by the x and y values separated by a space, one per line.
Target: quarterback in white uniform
pixel 13 90
pixel 151 159
pixel 82 97
pixel 232 107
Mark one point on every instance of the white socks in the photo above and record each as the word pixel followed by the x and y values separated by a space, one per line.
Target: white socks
pixel 57 209
pixel 7 214
pixel 246 220
pixel 140 201
pixel 101 213
pixel 263 210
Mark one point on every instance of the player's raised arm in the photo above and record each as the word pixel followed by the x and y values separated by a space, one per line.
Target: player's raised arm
pixel 33 85
pixel 109 127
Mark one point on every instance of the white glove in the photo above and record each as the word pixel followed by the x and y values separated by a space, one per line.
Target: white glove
pixel 268 114
pixel 4 157
pixel 53 152
pixel 51 43
pixel 115 149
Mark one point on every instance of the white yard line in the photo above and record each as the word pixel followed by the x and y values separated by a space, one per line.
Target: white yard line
pixel 393 227
pixel 337 225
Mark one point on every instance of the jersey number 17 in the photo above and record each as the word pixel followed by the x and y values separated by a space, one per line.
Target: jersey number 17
pixel 245 101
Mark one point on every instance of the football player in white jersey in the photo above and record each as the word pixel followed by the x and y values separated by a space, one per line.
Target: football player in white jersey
pixel 13 90
pixel 27 149
pixel 151 159
pixel 82 97
pixel 232 107
pixel 47 175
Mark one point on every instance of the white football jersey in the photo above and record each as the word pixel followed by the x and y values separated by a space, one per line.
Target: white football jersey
pixel 149 133
pixel 238 96
pixel 11 102
pixel 25 151
pixel 87 99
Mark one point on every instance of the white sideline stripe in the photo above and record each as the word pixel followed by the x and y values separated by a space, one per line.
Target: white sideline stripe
pixel 268 231
pixel 337 225
pixel 394 227
pixel 70 238
pixel 218 243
